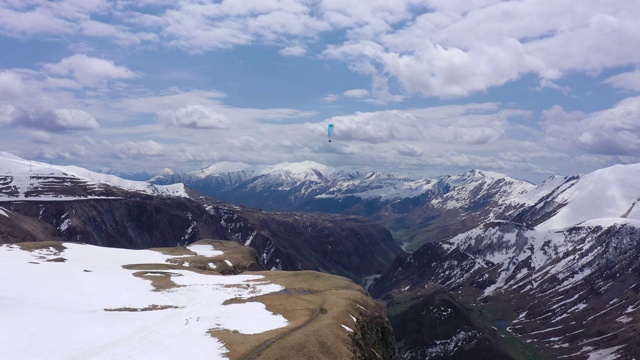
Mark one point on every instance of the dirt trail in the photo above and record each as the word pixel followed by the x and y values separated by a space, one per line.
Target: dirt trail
pixel 268 343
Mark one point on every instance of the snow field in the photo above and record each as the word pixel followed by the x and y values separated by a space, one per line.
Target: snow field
pixel 57 309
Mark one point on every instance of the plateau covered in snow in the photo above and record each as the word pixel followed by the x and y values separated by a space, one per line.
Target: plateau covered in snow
pixel 75 301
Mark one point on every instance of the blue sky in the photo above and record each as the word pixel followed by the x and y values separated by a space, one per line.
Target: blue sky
pixel 524 87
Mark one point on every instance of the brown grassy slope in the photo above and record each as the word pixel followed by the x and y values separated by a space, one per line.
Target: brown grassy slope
pixel 316 305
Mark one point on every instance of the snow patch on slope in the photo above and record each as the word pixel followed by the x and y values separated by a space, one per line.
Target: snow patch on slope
pixel 63 297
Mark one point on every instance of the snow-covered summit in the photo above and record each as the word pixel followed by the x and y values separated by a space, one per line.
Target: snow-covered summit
pixel 222 167
pixel 480 185
pixel 305 170
pixel 611 192
pixel 22 179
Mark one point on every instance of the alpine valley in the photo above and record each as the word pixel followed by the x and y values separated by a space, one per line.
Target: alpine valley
pixel 492 268
pixel 499 268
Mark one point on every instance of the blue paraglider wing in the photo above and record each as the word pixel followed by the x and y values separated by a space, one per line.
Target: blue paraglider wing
pixel 330 129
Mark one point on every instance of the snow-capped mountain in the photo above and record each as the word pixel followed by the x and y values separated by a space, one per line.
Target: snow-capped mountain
pixel 25 180
pixel 43 202
pixel 299 183
pixel 400 203
pixel 611 192
pixel 559 275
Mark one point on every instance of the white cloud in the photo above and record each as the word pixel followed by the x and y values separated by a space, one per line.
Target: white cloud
pixel 611 132
pixel 73 119
pixel 57 120
pixel 293 51
pixel 356 93
pixel 453 52
pixel 430 48
pixel 28 22
pixel 627 80
pixel 39 136
pixel 209 26
pixel 131 149
pixel 194 116
pixel 6 114
pixel 89 71
pixel 330 98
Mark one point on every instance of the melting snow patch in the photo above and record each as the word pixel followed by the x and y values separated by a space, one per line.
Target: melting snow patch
pixel 204 250
pixel 545 330
pixel 448 347
pixel 632 308
pixel 65 225
pixel 354 319
pixel 212 265
pixel 577 307
pixel 347 328
pixel 605 354
pixel 624 319
pixel 248 242
pixel 228 262
pixel 3 211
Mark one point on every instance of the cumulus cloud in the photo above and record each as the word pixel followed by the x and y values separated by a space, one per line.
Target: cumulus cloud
pixel 408 150
pixel 58 120
pixel 627 80
pixel 132 149
pixel 614 131
pixel 293 51
pixel 454 51
pixel 473 124
pixel 89 71
pixel 69 17
pixel 195 117
pixel 356 93
pixel 430 48
pixel 330 98
pixel 198 27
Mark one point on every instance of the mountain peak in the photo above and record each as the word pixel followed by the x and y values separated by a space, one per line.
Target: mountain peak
pixel 611 192
pixel 306 170
pixel 33 180
pixel 222 167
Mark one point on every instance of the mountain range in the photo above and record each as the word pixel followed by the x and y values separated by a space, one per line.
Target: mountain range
pixel 484 246
pixel 498 268
pixel 416 211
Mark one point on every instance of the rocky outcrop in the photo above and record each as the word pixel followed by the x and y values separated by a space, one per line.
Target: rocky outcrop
pixel 373 336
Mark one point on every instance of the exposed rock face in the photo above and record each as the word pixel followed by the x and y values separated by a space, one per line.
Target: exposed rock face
pixel 134 223
pixel 437 327
pixel 566 292
pixel 373 336
pixel 347 246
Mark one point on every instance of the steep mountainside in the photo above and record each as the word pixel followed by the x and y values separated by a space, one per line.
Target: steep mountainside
pixel 560 282
pixel 38 201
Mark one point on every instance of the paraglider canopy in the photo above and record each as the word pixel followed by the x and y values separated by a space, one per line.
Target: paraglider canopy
pixel 330 131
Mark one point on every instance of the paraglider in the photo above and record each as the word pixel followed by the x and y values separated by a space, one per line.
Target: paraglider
pixel 330 131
